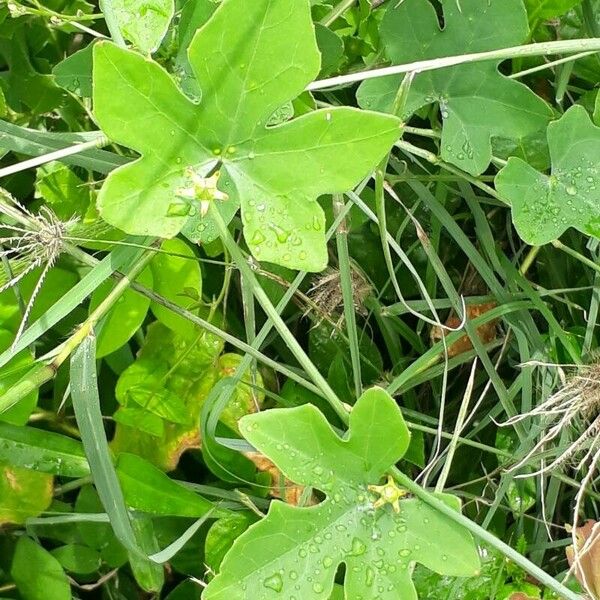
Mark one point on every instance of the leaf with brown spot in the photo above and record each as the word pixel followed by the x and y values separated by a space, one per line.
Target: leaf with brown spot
pixel 23 493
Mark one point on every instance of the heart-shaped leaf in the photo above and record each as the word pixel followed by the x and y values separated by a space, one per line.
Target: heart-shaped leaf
pixel 249 60
pixel 295 552
pixel 543 206
pixel 476 102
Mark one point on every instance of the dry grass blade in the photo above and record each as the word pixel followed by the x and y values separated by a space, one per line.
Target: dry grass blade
pixel 575 409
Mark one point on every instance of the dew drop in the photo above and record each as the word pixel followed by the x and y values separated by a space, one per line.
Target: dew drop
pixel 281 234
pixel 177 209
pixel 327 561
pixel 317 588
pixel 358 547
pixel 571 190
pixel 369 577
pixel 274 582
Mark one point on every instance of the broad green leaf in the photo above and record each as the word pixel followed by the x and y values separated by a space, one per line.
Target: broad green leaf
pixel 144 22
pixel 174 375
pixel 148 489
pixel 221 536
pixel 475 101
pixel 43 451
pixel 249 59
pixel 124 318
pixel 74 73
pixel 548 9
pixel 177 277
pixel 23 493
pixel 77 558
pixel 295 552
pixel 37 573
pixel 544 207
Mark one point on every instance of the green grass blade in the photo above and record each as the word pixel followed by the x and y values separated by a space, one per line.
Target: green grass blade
pixel 86 404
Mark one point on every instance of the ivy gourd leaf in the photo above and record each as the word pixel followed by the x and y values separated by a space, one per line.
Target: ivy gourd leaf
pixel 144 22
pixel 476 102
pixel 543 206
pixel 295 552
pixel 249 60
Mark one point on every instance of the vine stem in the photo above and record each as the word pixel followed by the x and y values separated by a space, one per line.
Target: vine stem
pixel 539 49
pixel 278 322
pixel 110 19
pixel 484 535
pixel 341 238
pixel 336 11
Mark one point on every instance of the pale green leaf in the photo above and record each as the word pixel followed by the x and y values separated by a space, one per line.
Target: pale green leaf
pixel 144 22
pixel 249 60
pixel 295 552
pixel 476 102
pixel 544 207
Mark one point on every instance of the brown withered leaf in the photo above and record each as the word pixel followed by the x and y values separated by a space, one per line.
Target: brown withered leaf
pixel 588 569
pixel 487 332
pixel 292 492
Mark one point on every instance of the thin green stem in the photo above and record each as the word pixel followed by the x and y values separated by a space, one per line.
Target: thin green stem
pixel 576 255
pixel 111 22
pixel 278 322
pixel 341 238
pixel 434 159
pixel 336 12
pixel 460 422
pixel 540 49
